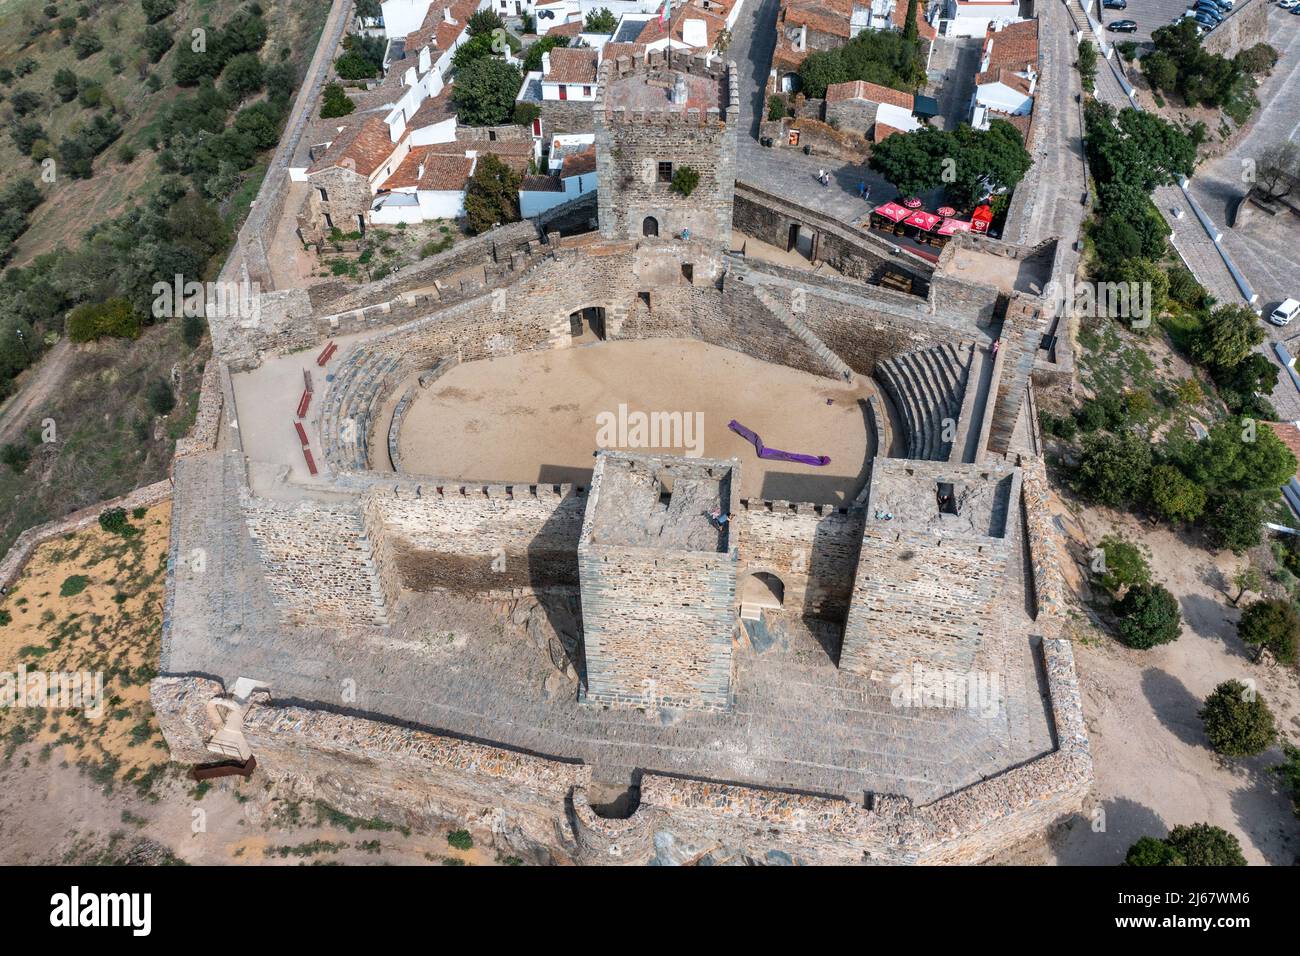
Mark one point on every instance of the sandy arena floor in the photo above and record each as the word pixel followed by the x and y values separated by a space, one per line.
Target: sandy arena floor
pixel 534 417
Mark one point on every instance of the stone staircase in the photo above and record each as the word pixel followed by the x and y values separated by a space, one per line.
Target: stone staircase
pixel 806 335
pixel 927 388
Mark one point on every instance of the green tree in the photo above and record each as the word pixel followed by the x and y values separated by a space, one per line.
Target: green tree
pixel 484 22
pixel 601 21
pixel 1204 845
pixel 1114 469
pixel 1233 520
pixel 1148 616
pixel 1227 336
pixel 1273 624
pixel 242 76
pixel 1124 564
pixel 65 84
pixel 1175 496
pixel 1161 71
pixel 1148 851
pixel 334 102
pixel 155 10
pixel 1246 579
pixel 484 92
pixel 87 43
pixel 1087 64
pixel 910 21
pixel 1289 772
pixel 492 197
pixel 1237 721
pixel 533 58
pixel 113 318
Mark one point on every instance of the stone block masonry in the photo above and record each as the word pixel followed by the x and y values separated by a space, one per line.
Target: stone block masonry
pixel 658 587
pixel 934 554
pixel 644 135
pixel 539 808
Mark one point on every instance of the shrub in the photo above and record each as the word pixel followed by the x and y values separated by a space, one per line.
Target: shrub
pixel 1124 564
pixel 1175 496
pixel 1273 624
pixel 192 329
pixel 1114 470
pixel 65 84
pixel 1289 771
pixel 112 319
pixel 460 839
pixel 1148 851
pixel 113 520
pixel 685 179
pixel 1204 845
pixel 334 102
pixel 160 396
pixel 155 10
pixel 1149 616
pixel 601 21
pixel 1237 721
pixel 73 585
pixel 87 43
pixel 17 457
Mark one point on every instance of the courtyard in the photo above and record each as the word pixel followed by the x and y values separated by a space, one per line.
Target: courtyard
pixel 540 416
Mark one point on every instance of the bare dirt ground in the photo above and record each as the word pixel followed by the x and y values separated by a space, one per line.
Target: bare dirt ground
pixel 533 417
pixel 76 788
pixel 1154 767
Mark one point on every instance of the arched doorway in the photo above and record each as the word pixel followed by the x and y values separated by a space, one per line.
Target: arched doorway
pixel 587 325
pixel 762 590
pixel 650 226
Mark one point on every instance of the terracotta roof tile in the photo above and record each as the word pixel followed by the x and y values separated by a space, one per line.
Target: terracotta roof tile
pixel 362 148
pixel 423 168
pixel 570 29
pixel 1289 435
pixel 541 184
pixel 882 131
pixel 576 65
pixel 1015 46
pixel 862 90
pixel 579 164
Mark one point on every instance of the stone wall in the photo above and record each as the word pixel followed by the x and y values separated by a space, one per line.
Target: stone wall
pixel 1022 330
pixel 853 253
pixel 566 116
pixel 347 196
pixel 813 549
pixel 479 539
pixel 657 618
pixel 631 143
pixel 1245 26
pixel 539 808
pixel 318 562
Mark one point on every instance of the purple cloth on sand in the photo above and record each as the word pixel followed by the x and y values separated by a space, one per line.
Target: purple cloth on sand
pixel 776 453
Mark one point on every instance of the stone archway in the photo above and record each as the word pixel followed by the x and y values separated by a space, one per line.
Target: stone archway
pixel 761 590
pixel 650 226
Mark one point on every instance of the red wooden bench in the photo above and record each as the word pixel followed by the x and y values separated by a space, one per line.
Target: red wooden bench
pixel 311 462
pixel 326 354
pixel 303 403
pixel 302 433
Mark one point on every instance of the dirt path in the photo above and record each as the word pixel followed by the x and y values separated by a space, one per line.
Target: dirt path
pixel 38 384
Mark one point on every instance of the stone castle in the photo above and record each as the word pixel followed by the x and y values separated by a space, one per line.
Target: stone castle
pixel 595 670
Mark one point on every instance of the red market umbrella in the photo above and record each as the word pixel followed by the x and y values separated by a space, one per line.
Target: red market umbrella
pixel 912 203
pixel 891 211
pixel 946 211
pixel 951 226
pixel 922 220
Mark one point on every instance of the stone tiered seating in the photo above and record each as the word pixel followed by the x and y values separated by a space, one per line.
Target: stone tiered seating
pixel 357 387
pixel 926 388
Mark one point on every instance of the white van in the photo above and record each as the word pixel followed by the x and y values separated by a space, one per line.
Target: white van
pixel 1285 312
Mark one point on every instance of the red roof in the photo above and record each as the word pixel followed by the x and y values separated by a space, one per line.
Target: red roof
pixel 872 92
pixel 362 148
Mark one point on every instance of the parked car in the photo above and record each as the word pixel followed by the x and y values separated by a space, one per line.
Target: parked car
pixel 1219 5
pixel 1206 21
pixel 1122 26
pixel 1288 4
pixel 1285 312
pixel 1209 11
pixel 1122 4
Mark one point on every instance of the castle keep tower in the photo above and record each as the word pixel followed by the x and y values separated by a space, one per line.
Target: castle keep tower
pixel 658 581
pixel 934 557
pixel 653 120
